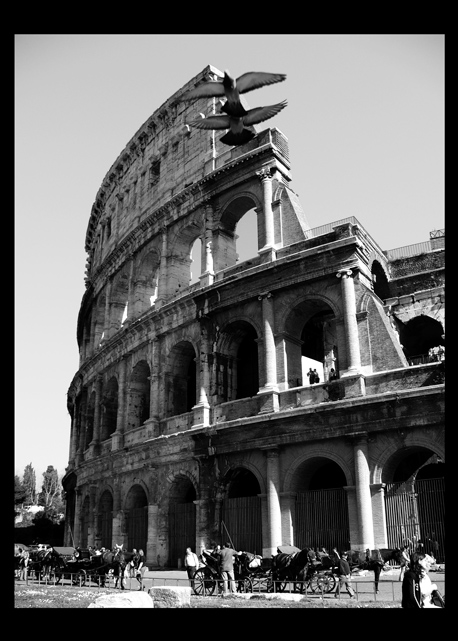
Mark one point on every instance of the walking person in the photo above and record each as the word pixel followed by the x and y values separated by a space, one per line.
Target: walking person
pixel 191 563
pixel 344 576
pixel 226 555
pixel 140 568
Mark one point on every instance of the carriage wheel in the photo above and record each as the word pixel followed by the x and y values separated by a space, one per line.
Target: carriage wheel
pixel 245 585
pixel 79 578
pixel 323 583
pixel 203 585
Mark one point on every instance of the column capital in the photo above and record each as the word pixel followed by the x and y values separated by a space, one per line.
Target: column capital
pixel 263 295
pixel 266 173
pixel 344 272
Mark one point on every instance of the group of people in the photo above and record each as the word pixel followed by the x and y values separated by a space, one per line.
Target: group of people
pixel 313 376
pixel 417 589
pixel 222 556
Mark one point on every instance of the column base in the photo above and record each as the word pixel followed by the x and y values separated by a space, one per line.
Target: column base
pixel 267 254
pixel 354 383
pixel 206 279
pixel 117 441
pixel 201 415
pixel 268 400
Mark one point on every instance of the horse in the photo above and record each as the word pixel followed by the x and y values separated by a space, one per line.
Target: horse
pixel 291 567
pixel 117 559
pixel 373 560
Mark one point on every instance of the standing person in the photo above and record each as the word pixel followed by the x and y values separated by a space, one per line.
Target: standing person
pixel 417 588
pixel 140 568
pixel 311 376
pixel 226 555
pixel 316 376
pixel 405 561
pixel 344 576
pixel 191 563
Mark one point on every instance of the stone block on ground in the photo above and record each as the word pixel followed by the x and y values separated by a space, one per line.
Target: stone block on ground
pixel 170 596
pixel 123 600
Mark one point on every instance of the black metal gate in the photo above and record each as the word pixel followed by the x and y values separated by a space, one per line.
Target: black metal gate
pixel 182 530
pixel 137 528
pixel 105 521
pixel 416 512
pixel 322 520
pixel 241 523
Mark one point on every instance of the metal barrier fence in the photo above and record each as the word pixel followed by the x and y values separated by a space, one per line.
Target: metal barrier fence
pixel 365 589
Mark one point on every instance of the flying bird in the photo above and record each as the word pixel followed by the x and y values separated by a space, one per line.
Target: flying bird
pixel 238 134
pixel 231 88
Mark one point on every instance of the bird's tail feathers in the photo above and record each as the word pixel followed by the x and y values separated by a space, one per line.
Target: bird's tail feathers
pixel 237 139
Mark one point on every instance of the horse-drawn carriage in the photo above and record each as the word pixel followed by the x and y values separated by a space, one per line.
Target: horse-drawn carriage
pixel 79 566
pixel 247 574
pixel 303 569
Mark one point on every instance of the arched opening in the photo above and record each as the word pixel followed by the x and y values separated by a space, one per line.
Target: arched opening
pixel 196 261
pixel 182 378
pixel 237 369
pixel 415 500
pixel 138 404
pixel 136 514
pixel 109 409
pixel 146 283
pixel 321 511
pixel 225 241
pixel 103 536
pixel 241 522
pixel 90 420
pixel 247 236
pixel 380 281
pixel 311 343
pixel 182 519
pixel 418 336
pixel 99 322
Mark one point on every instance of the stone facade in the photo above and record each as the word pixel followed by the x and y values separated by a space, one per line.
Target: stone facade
pixel 193 394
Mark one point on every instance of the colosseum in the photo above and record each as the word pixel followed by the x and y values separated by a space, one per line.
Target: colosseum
pixel 194 414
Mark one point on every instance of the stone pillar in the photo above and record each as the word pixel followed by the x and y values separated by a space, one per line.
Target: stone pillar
pixel 73 432
pixel 270 358
pixel 107 331
pixel 92 516
pixel 207 271
pixel 151 543
pixel 117 514
pixel 268 251
pixel 363 495
pixel 379 515
pixel 273 503
pixel 117 438
pixel 350 323
pixel 97 417
pixel 77 521
pixel 288 515
pixel 130 294
pixel 201 410
pixel 162 281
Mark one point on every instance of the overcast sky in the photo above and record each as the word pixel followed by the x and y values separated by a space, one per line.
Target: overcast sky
pixel 365 124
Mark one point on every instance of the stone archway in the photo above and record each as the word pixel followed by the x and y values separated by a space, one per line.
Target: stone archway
pixel 181 519
pixel 241 515
pixel 136 518
pixel 415 500
pixel 237 366
pixel 138 402
pixel 321 508
pixel 182 378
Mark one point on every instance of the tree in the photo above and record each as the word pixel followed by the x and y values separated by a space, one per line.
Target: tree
pixel 30 483
pixel 50 496
pixel 19 490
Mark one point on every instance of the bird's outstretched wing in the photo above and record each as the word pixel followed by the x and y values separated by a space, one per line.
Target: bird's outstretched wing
pixel 256 79
pixel 212 122
pixel 206 89
pixel 259 114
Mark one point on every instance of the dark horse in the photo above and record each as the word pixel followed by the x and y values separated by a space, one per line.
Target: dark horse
pixel 290 567
pixel 373 560
pixel 117 559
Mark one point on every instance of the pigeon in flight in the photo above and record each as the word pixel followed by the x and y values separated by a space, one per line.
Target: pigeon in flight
pixel 230 88
pixel 238 134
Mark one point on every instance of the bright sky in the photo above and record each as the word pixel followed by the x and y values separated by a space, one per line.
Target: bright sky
pixel 365 124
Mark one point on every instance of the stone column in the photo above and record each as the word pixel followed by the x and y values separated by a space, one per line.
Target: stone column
pixel 130 294
pixel 162 280
pixel 151 543
pixel 268 251
pixel 201 410
pixel 77 521
pixel 363 494
pixel 273 503
pixel 97 416
pixel 107 331
pixel 350 323
pixel 117 439
pixel 379 515
pixel 92 515
pixel 270 358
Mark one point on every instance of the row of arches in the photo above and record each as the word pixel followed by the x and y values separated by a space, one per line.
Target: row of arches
pixel 319 510
pixel 235 365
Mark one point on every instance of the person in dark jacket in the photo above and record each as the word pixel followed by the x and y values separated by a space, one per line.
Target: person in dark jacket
pixel 344 576
pixel 411 594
